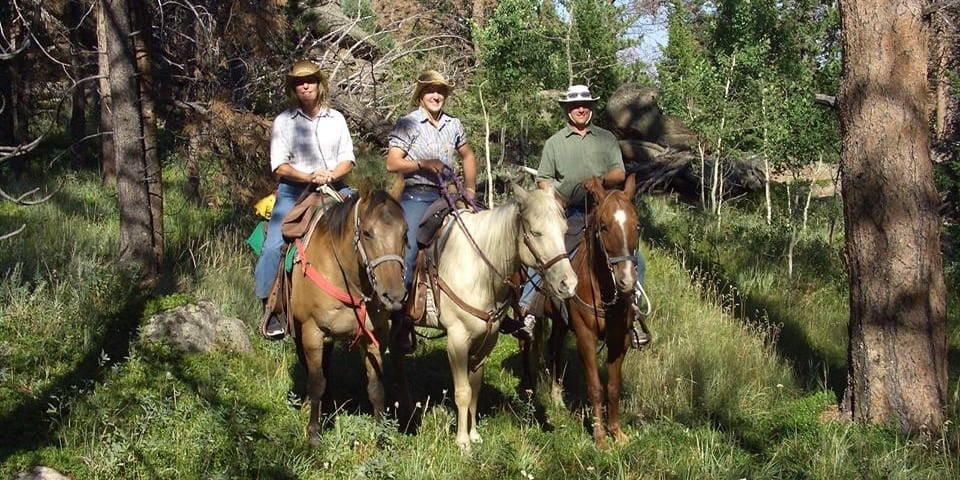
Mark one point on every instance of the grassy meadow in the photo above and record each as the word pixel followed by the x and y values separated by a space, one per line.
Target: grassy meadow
pixel 747 361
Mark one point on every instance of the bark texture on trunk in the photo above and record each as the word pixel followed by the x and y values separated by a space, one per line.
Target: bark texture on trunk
pixel 897 351
pixel 136 223
pixel 108 159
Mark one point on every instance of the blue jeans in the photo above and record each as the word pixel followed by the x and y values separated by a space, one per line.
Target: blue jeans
pixel 268 264
pixel 414 201
pixel 575 222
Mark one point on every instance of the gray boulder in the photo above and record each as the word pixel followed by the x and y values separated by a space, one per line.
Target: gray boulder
pixel 40 473
pixel 198 327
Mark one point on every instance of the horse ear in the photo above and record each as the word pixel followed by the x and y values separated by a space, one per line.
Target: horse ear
pixel 595 186
pixel 364 188
pixel 630 185
pixel 396 190
pixel 519 193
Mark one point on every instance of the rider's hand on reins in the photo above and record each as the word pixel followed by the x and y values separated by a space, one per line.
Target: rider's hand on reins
pixel 321 177
pixel 433 166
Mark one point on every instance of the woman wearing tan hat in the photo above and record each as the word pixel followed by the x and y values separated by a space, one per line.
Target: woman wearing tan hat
pixel 310 145
pixel 421 148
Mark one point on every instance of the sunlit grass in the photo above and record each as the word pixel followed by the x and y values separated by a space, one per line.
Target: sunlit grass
pixel 734 385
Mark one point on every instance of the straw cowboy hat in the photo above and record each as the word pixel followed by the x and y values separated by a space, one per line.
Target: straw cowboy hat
pixel 429 77
pixel 577 93
pixel 305 69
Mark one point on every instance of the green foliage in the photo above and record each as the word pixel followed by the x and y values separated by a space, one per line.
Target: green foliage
pixel 520 53
pixel 523 50
pixel 598 34
pixel 167 302
pixel 745 75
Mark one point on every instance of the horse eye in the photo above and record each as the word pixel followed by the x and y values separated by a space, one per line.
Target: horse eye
pixel 536 233
pixel 366 234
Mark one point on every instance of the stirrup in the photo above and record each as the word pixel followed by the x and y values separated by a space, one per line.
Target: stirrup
pixel 638 338
pixel 640 298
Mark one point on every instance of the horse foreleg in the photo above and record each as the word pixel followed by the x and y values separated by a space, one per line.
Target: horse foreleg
pixel 476 381
pixel 458 346
pixel 618 343
pixel 312 347
pixel 557 365
pixel 373 363
pixel 587 347
pixel 614 382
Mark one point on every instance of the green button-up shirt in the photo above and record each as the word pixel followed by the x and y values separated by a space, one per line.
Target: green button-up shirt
pixel 569 158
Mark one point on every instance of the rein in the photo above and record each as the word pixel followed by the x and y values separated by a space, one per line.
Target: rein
pixel 497 311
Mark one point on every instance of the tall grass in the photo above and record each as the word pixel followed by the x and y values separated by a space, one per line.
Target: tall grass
pixel 738 382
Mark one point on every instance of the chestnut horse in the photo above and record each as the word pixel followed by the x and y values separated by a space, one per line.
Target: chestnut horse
pixel 474 257
pixel 347 280
pixel 601 309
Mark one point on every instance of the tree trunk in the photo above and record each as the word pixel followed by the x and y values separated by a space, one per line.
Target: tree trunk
pixel 78 112
pixel 133 195
pixel 144 54
pixel 945 58
pixel 108 159
pixel 897 352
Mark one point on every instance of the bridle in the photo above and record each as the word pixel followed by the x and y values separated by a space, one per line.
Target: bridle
pixel 370 265
pixel 609 261
pixel 540 265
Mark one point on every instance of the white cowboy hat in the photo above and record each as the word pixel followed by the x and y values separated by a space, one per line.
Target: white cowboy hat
pixel 577 93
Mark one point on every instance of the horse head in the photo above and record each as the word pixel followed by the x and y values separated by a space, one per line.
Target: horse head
pixel 381 238
pixel 542 226
pixel 615 228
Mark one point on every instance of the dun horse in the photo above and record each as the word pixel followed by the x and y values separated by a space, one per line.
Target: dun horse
pixel 349 277
pixel 601 309
pixel 474 256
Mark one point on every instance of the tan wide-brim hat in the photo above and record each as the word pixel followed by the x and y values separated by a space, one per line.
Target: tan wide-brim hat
pixel 306 69
pixel 429 77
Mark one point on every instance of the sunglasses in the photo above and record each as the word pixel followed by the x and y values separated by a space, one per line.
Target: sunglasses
pixel 578 95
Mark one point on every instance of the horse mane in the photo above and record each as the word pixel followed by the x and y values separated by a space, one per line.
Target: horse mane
pixel 336 219
pixel 487 226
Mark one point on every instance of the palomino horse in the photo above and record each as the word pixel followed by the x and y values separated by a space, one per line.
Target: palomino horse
pixel 474 256
pixel 348 278
pixel 601 309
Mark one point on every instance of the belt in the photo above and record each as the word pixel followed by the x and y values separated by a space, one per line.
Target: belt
pixel 338 185
pixel 421 187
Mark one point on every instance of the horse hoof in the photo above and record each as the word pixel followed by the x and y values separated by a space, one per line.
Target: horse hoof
pixel 313 435
pixel 476 438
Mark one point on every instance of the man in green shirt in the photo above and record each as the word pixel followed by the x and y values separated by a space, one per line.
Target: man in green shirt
pixel 577 152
